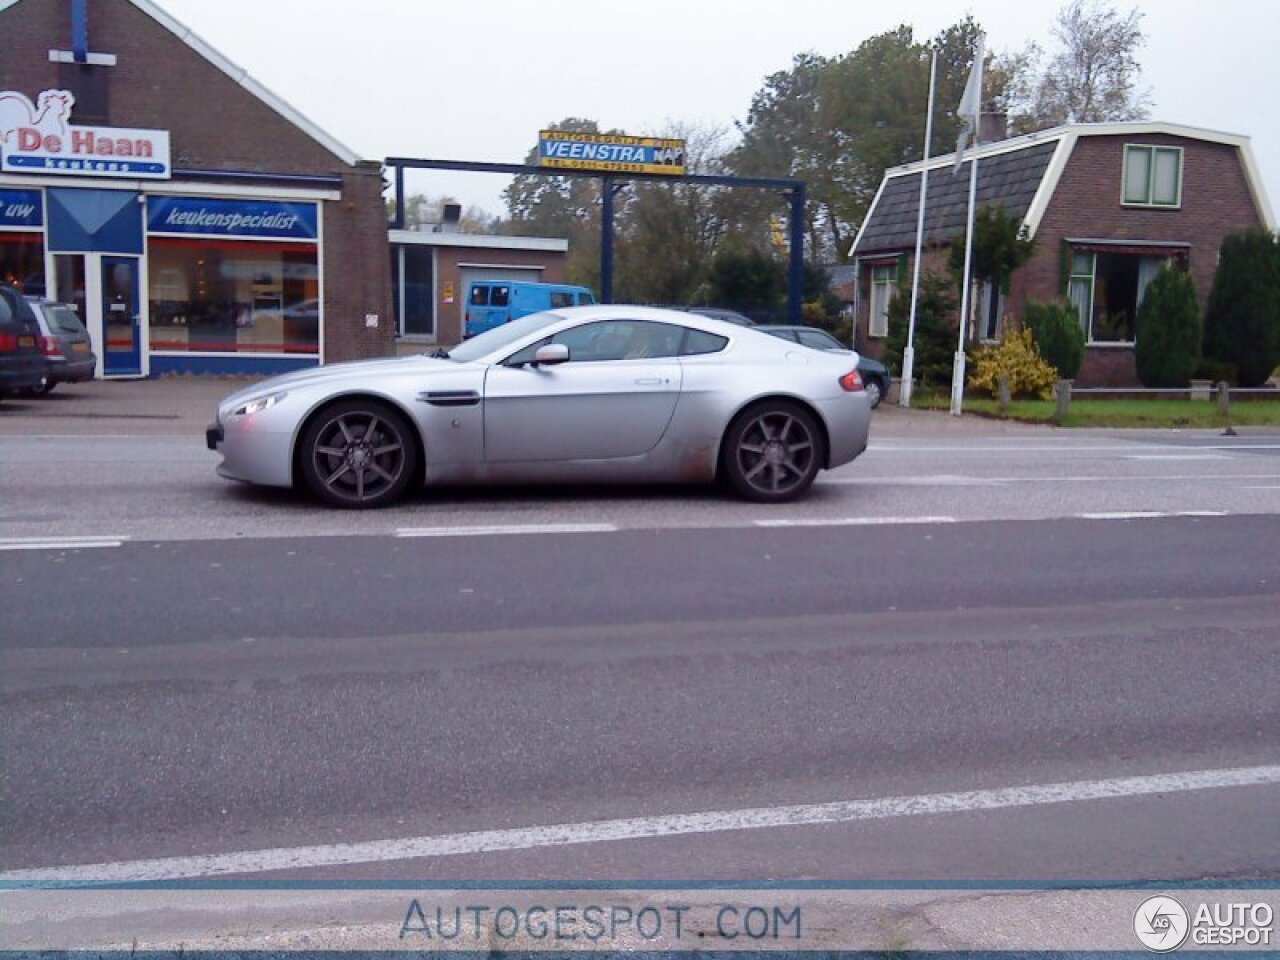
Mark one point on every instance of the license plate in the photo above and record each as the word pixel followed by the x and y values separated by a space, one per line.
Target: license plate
pixel 26 341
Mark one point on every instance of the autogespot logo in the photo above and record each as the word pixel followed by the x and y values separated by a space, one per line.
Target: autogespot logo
pixel 1161 923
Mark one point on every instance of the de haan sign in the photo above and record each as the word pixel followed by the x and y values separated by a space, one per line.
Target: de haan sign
pixel 36 138
pixel 609 153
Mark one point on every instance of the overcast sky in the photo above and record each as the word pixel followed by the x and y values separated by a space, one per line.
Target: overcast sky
pixel 477 79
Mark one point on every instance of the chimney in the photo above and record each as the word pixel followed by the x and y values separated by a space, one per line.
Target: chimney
pixel 993 126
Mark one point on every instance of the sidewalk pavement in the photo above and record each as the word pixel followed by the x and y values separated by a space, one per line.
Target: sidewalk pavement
pixel 184 405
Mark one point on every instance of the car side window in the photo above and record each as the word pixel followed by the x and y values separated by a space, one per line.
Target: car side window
pixel 479 296
pixel 611 340
pixel 698 342
pixel 561 299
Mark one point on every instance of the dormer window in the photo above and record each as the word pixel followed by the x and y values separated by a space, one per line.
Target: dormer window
pixel 1152 176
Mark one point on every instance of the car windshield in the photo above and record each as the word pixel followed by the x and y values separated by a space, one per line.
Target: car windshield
pixel 499 337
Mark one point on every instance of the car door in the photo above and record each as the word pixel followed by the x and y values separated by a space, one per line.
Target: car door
pixel 609 400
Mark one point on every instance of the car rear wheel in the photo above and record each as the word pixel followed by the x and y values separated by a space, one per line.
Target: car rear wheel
pixel 772 452
pixel 875 391
pixel 358 454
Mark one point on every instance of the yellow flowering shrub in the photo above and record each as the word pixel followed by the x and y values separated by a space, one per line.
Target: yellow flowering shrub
pixel 1017 359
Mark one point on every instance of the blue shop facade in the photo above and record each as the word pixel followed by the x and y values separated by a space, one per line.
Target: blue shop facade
pixel 173 277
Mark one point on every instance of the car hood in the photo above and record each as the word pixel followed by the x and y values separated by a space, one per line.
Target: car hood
pixel 366 372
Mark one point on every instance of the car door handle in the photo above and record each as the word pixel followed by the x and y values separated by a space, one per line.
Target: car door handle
pixel 649 382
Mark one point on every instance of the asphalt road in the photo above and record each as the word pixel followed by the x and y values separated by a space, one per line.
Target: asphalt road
pixel 954 617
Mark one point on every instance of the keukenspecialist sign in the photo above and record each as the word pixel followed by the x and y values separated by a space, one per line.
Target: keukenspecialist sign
pixel 36 138
pixel 610 153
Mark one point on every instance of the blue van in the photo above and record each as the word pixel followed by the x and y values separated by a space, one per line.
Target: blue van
pixel 491 303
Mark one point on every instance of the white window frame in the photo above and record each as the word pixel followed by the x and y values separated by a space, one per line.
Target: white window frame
pixel 884 276
pixel 1150 203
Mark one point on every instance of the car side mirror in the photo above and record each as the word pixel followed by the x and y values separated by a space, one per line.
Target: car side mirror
pixel 550 354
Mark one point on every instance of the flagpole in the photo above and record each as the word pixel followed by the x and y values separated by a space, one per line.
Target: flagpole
pixel 957 368
pixel 909 354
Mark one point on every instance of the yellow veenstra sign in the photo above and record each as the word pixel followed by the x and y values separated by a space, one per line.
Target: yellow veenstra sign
pixel 610 153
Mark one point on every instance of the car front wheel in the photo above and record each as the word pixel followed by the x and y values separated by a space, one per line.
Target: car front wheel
pixel 358 454
pixel 772 452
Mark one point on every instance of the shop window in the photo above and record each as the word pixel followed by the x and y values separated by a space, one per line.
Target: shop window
pixel 1107 289
pixel 22 262
pixel 227 296
pixel 883 280
pixel 1152 176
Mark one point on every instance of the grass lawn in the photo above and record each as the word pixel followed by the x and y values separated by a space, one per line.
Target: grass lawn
pixel 1117 413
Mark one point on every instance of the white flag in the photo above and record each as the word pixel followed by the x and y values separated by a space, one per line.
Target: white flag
pixel 970 109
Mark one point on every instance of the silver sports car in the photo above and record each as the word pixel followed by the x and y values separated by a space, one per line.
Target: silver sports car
pixel 603 393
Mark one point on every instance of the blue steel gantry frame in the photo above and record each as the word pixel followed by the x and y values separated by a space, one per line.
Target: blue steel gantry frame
pixel 610 183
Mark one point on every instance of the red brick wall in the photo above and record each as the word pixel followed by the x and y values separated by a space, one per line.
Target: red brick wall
pixel 1215 201
pixel 216 124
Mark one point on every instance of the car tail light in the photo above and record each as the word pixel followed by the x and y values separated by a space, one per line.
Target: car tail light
pixel 50 346
pixel 8 342
pixel 851 381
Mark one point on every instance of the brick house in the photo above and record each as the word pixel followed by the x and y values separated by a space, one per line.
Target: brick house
pixel 1107 205
pixel 198 222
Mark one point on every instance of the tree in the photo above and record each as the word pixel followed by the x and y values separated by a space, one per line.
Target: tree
pixel 839 123
pixel 1055 328
pixel 1169 331
pixel 935 334
pixel 1242 324
pixel 1091 76
pixel 747 280
pixel 1000 246
pixel 667 233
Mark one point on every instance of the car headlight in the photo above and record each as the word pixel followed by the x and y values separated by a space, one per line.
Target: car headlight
pixel 258 404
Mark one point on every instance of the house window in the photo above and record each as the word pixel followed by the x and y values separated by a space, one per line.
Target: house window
pixel 1107 289
pixel 1152 176
pixel 882 290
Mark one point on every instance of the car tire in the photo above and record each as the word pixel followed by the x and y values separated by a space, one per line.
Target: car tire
pixel 344 468
pixel 45 386
pixel 772 452
pixel 875 391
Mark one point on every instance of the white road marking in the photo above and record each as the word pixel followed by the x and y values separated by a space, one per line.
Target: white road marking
pixel 1066 448
pixel 498 530
pixel 852 521
pixel 1177 456
pixel 956 481
pixel 59 543
pixel 1150 514
pixel 639 828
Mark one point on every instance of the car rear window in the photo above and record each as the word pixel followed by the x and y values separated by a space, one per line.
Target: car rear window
pixel 479 296
pixel 64 320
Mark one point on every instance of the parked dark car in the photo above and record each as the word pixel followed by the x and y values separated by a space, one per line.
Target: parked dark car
pixel 720 313
pixel 64 342
pixel 21 363
pixel 875 375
